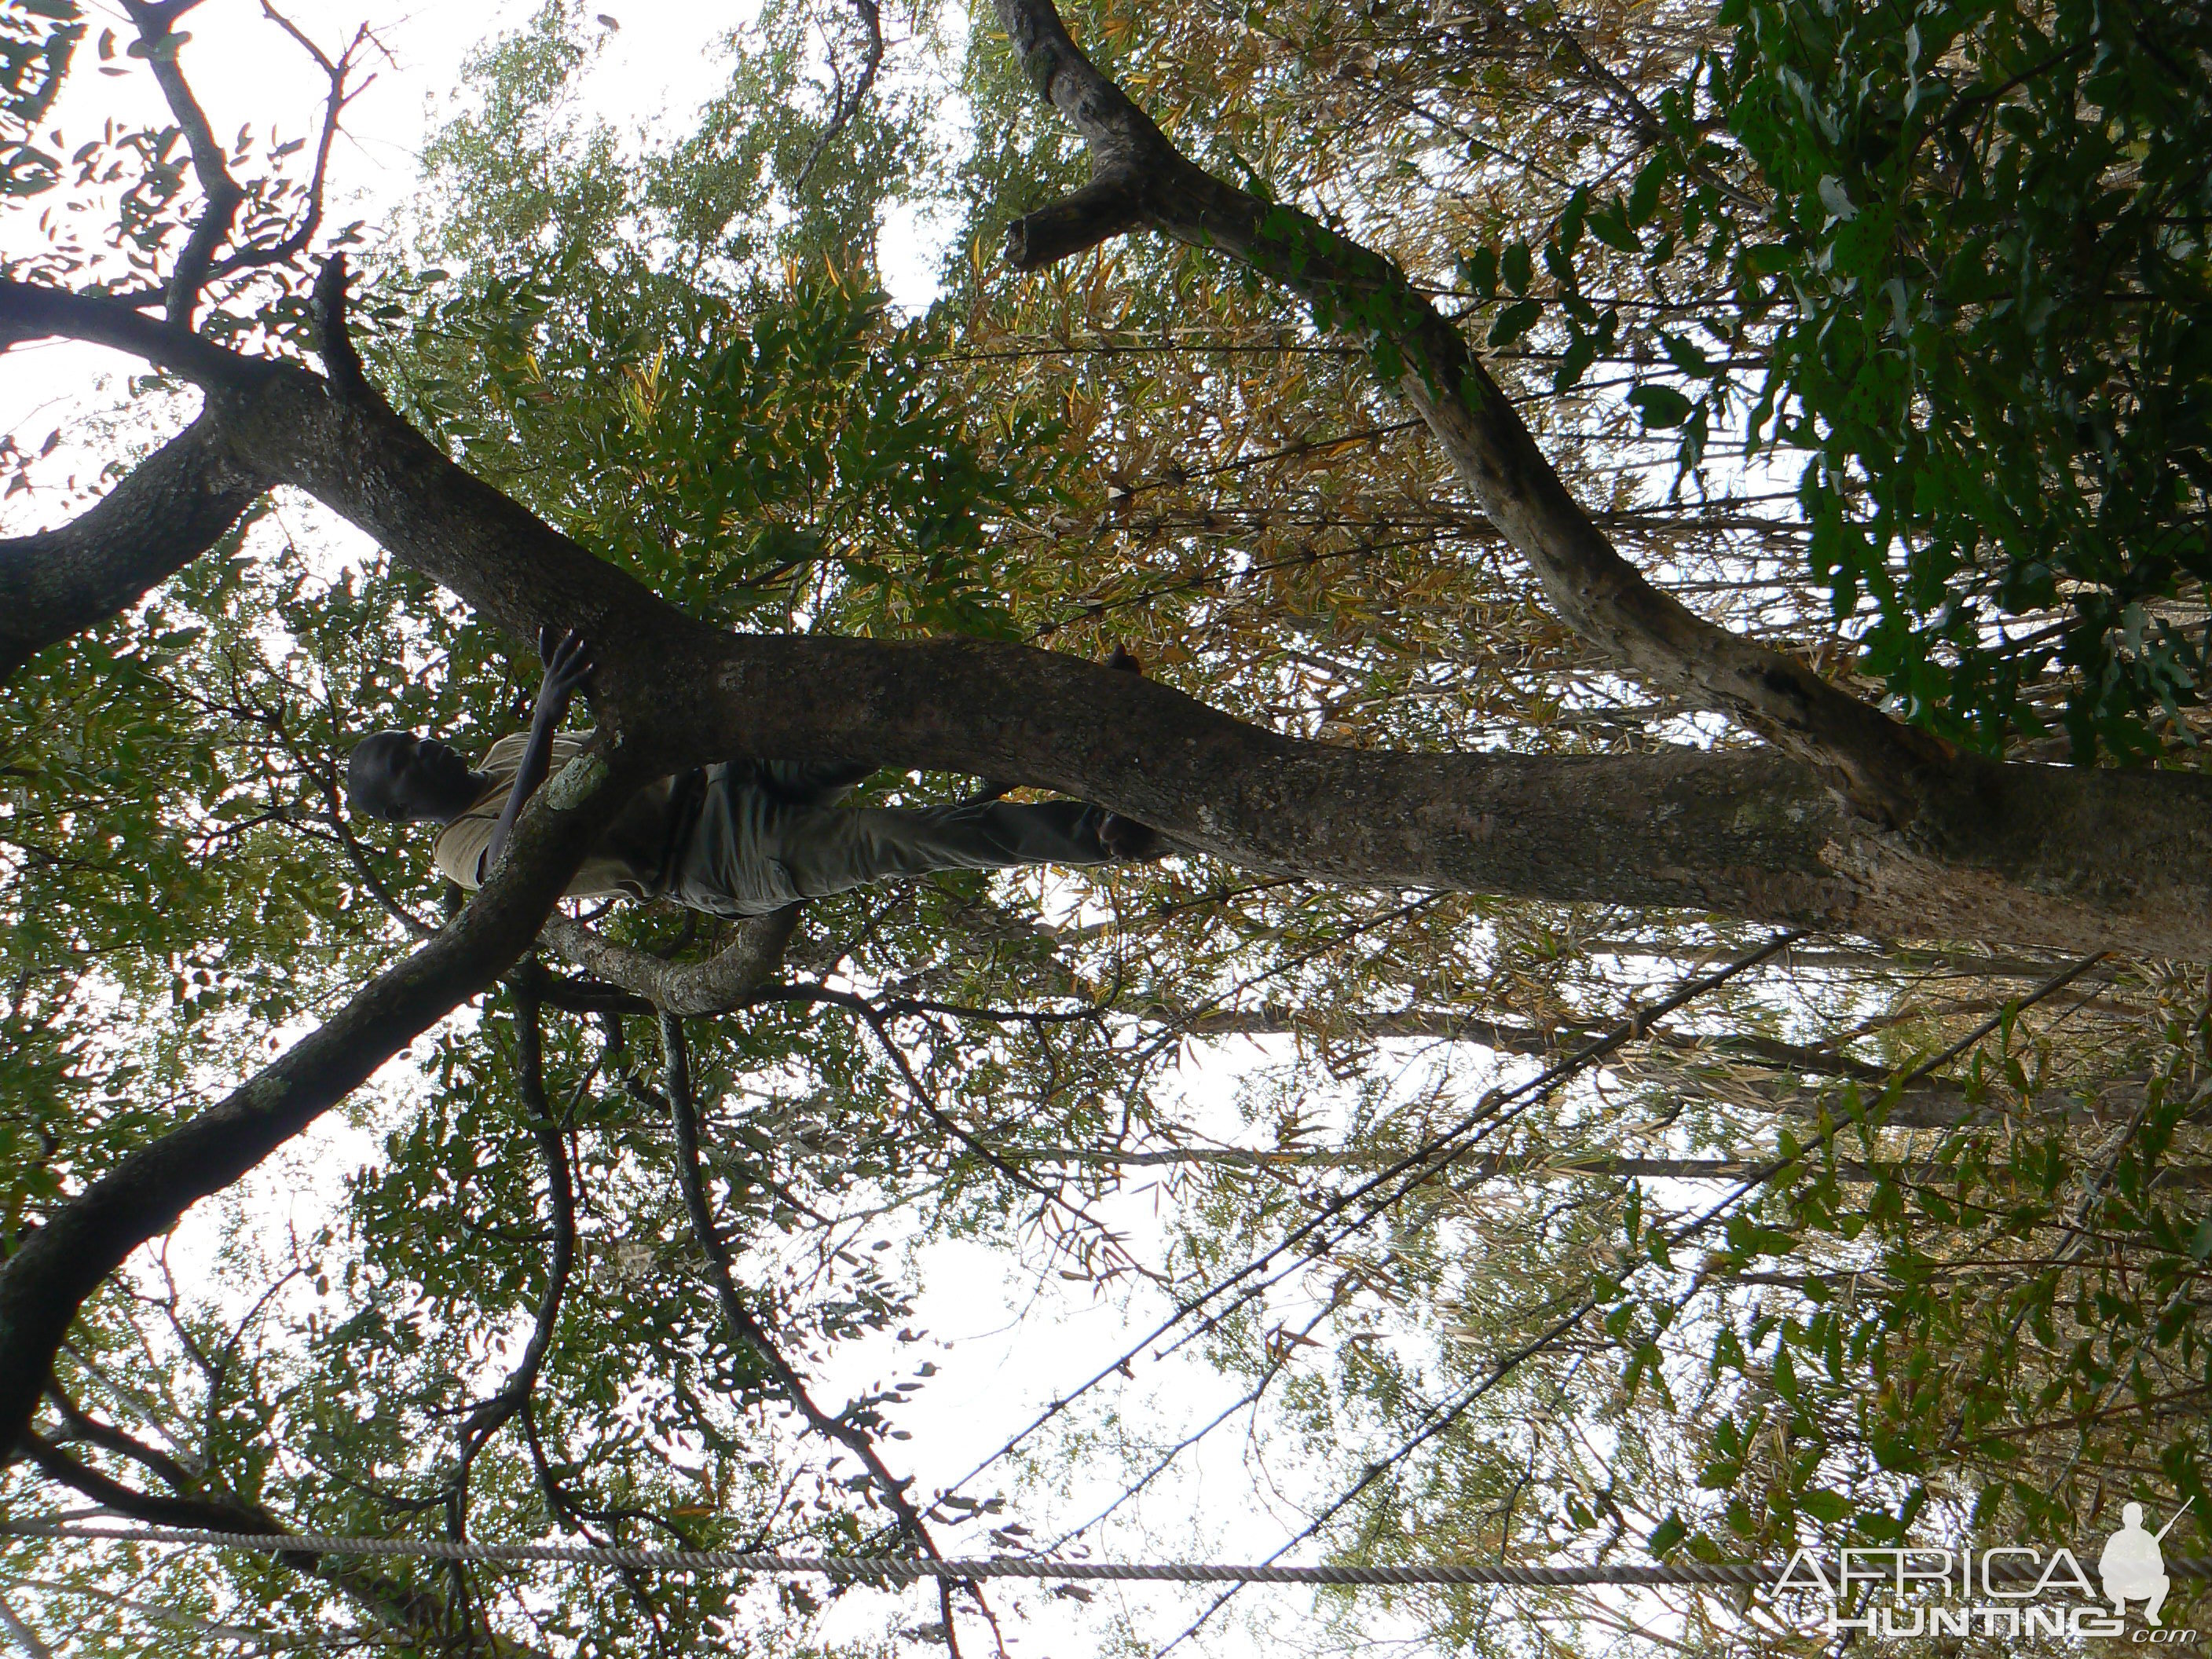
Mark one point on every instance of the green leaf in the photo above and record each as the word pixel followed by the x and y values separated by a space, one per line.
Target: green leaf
pixel 1514 266
pixel 1662 406
pixel 1478 271
pixel 1643 194
pixel 1821 1505
pixel 1515 321
pixel 1610 226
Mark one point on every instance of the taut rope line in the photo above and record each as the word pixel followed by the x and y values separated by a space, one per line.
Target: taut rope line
pixel 907 1568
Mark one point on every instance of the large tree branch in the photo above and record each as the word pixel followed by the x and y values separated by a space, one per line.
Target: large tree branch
pixel 174 507
pixel 89 1237
pixel 188 1510
pixel 2067 859
pixel 32 311
pixel 689 989
pixel 1883 766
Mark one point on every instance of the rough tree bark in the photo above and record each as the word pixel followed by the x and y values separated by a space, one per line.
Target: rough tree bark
pixel 686 989
pixel 2059 857
pixel 171 508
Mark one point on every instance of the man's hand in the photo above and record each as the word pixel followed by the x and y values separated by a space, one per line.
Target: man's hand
pixel 568 661
pixel 568 664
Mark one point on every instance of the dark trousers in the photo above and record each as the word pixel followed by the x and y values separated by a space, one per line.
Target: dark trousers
pixel 769 833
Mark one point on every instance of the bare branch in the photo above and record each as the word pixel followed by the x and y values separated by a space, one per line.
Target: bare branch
pixel 205 1514
pixel 295 241
pixel 30 311
pixel 171 507
pixel 340 360
pixel 690 989
pixel 108 1437
pixel 224 196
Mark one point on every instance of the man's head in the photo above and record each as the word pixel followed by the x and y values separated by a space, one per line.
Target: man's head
pixel 399 777
pixel 2131 1516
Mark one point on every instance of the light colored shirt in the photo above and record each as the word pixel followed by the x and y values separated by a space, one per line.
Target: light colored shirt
pixel 630 862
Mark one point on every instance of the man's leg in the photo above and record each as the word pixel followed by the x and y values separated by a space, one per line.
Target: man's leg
pixel 830 851
pixel 2157 1600
pixel 725 858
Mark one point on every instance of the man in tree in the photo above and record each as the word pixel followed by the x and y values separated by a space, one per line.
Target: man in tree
pixel 740 838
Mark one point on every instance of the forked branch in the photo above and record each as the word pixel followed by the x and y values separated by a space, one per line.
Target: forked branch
pixel 295 241
pixel 1884 768
pixel 158 44
pixel 198 265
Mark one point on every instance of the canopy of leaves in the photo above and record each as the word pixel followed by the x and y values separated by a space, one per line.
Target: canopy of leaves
pixel 1954 255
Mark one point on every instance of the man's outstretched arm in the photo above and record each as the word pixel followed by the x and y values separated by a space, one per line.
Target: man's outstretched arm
pixel 568 666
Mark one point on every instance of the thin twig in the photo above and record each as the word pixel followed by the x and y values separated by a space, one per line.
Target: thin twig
pixel 848 103
pixel 747 1331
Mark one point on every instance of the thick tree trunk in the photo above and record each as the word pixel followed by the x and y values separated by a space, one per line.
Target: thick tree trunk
pixel 2058 857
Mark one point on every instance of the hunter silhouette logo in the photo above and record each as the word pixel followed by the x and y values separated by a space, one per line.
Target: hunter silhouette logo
pixel 2133 1568
pixel 2005 1589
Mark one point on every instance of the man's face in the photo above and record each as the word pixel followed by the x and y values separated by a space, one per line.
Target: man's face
pixel 397 774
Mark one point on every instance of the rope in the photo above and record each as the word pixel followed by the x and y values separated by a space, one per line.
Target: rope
pixel 907 1569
